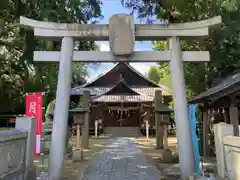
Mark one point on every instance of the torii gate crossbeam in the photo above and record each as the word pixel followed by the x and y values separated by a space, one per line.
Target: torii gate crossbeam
pixel 100 32
pixel 122 34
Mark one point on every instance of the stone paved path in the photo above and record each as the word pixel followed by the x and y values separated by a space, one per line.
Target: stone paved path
pixel 122 160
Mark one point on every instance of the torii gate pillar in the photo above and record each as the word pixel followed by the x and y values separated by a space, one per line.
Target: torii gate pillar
pixel 184 136
pixel 59 131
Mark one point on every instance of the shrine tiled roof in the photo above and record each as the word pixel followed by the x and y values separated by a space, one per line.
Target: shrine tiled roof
pixel 146 94
pixel 96 91
pixel 122 98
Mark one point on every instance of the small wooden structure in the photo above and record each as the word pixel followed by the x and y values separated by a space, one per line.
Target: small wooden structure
pixel 218 104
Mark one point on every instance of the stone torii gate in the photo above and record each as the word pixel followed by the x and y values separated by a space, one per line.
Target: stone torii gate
pixel 122 34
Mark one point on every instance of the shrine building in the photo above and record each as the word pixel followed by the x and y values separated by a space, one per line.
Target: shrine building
pixel 123 97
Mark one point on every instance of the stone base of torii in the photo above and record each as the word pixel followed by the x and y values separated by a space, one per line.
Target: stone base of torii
pixel 122 34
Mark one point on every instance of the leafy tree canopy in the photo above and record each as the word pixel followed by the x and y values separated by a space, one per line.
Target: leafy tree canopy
pixel 223 42
pixel 154 74
pixel 18 73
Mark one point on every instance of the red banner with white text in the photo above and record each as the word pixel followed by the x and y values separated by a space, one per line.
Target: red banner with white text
pixel 34 105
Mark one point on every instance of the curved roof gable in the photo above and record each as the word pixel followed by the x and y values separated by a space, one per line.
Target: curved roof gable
pixel 131 76
pixel 121 88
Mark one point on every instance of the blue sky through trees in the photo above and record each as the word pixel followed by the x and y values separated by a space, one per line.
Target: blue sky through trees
pixel 110 7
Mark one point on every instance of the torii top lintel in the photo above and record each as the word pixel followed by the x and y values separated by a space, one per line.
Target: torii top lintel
pixel 100 32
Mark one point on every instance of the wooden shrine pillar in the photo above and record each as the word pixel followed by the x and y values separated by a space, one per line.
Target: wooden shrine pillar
pixel 96 128
pixel 85 132
pixel 206 122
pixel 233 112
pixel 225 115
pixel 147 129
pixel 78 136
pixel 213 118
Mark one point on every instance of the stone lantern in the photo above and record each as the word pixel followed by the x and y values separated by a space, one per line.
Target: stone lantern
pixel 162 120
pixel 162 115
pixel 78 120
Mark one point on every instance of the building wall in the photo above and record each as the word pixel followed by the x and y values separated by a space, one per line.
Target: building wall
pixel 17 148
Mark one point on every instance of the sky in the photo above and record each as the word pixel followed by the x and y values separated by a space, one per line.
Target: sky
pixel 110 7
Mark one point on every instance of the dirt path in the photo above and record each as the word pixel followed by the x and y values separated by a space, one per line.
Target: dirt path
pixel 168 170
pixel 73 170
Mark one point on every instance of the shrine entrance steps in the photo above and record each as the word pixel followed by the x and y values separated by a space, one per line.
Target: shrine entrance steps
pixel 121 160
pixel 122 131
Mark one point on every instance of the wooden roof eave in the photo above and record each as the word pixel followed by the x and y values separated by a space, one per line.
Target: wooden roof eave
pixel 227 92
pixel 212 98
pixel 208 103
pixel 113 102
pixel 227 86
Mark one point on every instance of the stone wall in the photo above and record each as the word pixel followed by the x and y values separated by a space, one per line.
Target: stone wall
pixel 16 151
pixel 227 151
pixel 232 156
pixel 12 156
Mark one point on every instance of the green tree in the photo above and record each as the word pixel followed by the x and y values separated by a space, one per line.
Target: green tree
pixel 154 74
pixel 223 42
pixel 18 73
pixel 79 74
